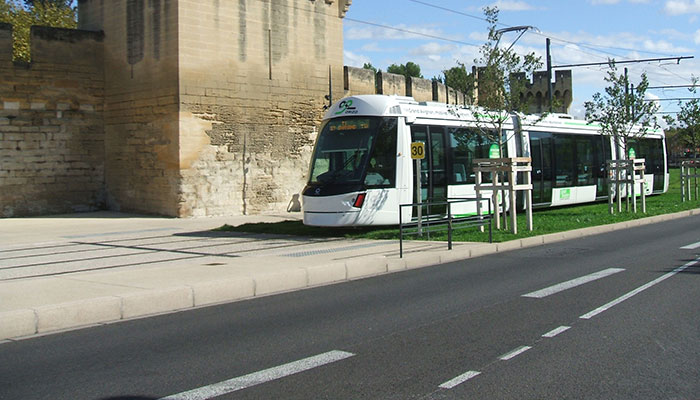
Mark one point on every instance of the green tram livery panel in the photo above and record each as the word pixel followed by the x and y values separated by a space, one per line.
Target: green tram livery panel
pixel 361 168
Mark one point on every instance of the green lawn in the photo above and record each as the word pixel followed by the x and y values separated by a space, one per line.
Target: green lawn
pixel 545 221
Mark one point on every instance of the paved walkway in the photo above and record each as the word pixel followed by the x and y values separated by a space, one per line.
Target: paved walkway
pixel 69 271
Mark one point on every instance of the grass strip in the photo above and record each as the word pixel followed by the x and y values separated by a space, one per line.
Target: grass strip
pixel 549 220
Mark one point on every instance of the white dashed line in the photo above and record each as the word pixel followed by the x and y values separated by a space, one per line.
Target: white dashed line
pixel 520 350
pixel 572 283
pixel 691 246
pixel 557 331
pixel 637 291
pixel 256 378
pixel 460 379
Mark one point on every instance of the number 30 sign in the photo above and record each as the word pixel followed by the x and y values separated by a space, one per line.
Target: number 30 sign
pixel 417 150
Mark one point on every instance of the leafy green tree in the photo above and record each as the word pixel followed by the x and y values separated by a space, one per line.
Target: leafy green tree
pixel 621 114
pixel 60 3
pixel 458 78
pixel 409 69
pixel 497 94
pixel 687 121
pixel 54 13
pixel 370 67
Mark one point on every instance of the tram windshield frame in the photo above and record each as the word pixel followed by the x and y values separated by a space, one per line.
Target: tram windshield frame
pixel 355 151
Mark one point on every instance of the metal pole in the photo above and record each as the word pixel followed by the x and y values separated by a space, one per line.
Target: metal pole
pixel 449 226
pixel 400 234
pixel 418 198
pixel 632 100
pixel 627 88
pixel 549 75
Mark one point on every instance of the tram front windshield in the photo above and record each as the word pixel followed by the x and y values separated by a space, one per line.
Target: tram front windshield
pixel 356 151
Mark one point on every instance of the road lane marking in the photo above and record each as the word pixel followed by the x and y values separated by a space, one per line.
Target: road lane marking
pixel 692 246
pixel 257 378
pixel 572 283
pixel 520 350
pixel 460 379
pixel 555 332
pixel 638 290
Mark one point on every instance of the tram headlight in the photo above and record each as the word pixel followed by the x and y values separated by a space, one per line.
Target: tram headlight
pixel 359 200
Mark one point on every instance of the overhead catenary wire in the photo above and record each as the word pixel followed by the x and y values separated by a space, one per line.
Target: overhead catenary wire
pixel 596 48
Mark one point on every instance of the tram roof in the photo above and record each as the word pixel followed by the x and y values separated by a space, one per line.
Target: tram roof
pixel 384 105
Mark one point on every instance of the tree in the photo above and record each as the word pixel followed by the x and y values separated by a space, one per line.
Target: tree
pixel 60 3
pixel 54 13
pixel 409 69
pixel 458 78
pixel 687 121
pixel 370 67
pixel 621 114
pixel 498 95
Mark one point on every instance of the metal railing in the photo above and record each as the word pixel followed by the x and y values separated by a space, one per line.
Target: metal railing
pixel 443 222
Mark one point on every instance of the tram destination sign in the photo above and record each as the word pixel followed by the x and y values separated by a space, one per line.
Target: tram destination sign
pixel 417 150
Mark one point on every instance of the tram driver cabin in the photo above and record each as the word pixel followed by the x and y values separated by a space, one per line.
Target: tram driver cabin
pixel 361 168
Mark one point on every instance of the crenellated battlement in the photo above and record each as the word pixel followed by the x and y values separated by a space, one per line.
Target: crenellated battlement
pixel 56 45
pixel 363 81
pixel 537 90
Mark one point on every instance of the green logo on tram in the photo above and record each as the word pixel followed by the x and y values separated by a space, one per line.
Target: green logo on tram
pixel 346 106
pixel 565 194
pixel 494 151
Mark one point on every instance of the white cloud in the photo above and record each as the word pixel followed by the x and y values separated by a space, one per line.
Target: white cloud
pixel 679 7
pixel 356 31
pixel 506 5
pixel 697 36
pixel 431 49
pixel 354 60
pixel 372 47
pixel 604 2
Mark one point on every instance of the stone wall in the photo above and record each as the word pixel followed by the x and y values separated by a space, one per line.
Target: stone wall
pixel 142 140
pixel 250 106
pixel 51 124
pixel 537 92
pixel 363 81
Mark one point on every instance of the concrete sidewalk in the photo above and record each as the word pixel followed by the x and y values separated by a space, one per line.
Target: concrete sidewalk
pixel 70 271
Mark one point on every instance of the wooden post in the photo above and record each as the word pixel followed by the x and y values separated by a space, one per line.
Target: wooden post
pixel 506 185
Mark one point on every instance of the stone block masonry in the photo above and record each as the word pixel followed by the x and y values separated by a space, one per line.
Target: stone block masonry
pixel 52 124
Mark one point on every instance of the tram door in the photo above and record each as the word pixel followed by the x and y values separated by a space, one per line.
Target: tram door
pixel 433 167
pixel 541 152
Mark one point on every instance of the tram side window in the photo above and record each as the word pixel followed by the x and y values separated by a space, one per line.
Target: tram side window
pixel 564 161
pixel 585 160
pixel 466 144
pixel 651 150
pixel 381 170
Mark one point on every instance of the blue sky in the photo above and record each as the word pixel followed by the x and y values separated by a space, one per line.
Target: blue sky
pixel 582 31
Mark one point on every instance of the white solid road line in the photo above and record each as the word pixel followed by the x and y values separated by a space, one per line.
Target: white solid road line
pixel 555 332
pixel 638 290
pixel 256 378
pixel 460 379
pixel 692 246
pixel 572 283
pixel 520 350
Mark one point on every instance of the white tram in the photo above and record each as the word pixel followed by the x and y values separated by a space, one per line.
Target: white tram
pixel 361 168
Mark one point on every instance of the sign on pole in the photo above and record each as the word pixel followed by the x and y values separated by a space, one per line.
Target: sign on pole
pixel 417 150
pixel 417 154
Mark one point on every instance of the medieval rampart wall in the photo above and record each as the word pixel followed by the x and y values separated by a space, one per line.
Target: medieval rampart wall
pixel 51 124
pixel 364 81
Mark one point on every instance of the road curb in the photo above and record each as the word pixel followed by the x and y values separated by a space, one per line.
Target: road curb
pixel 101 310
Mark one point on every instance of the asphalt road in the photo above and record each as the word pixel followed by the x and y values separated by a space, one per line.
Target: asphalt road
pixel 463 330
